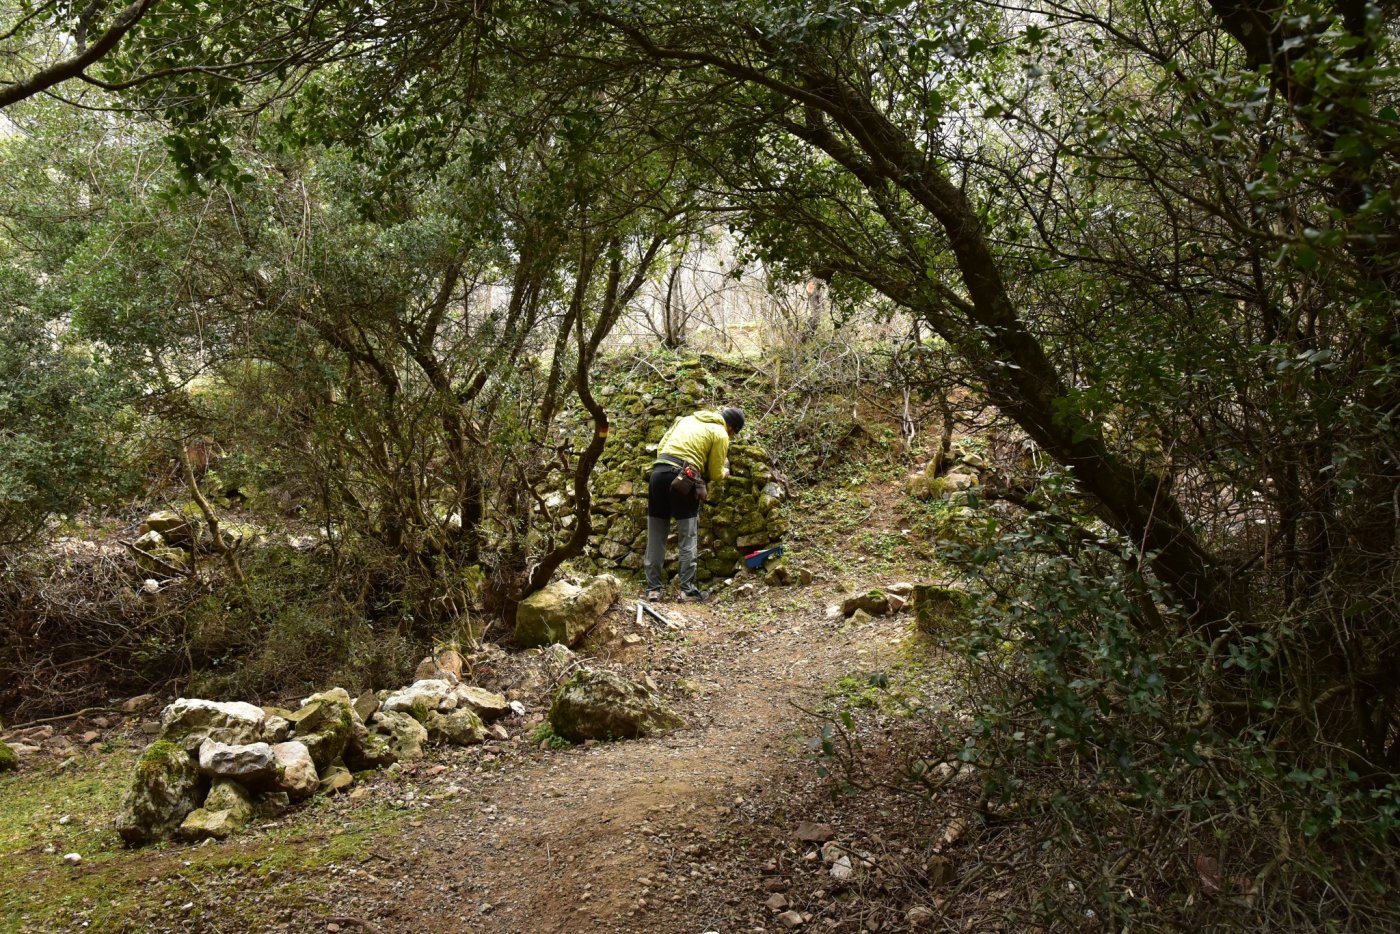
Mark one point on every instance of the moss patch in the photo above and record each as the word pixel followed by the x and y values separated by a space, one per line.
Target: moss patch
pixel 121 889
pixel 160 758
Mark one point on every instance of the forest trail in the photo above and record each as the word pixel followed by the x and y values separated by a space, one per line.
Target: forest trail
pixel 618 837
pixel 684 833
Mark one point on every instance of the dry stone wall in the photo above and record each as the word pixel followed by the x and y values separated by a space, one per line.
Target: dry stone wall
pixel 744 512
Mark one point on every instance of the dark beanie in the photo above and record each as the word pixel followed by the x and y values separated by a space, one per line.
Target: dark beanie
pixel 734 418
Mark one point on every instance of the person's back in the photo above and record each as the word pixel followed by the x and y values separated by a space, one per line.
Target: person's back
pixel 700 440
pixel 698 443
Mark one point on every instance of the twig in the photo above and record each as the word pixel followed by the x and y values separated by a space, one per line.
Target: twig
pixel 59 719
pixel 174 571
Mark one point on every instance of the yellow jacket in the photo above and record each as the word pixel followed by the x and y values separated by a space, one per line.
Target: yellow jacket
pixel 701 440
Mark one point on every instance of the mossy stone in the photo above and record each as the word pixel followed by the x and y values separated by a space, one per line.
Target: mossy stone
pixel 939 609
pixel 603 705
pixel 165 787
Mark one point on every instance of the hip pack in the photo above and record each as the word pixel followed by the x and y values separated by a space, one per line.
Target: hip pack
pixel 689 486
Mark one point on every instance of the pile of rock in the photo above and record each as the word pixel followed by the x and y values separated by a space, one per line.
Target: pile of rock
pixel 165 543
pixel 947 478
pixel 214 766
pixel 879 601
pixel 743 513
pixel 782 574
pixel 936 608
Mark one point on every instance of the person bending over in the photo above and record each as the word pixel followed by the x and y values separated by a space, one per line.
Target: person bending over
pixel 689 458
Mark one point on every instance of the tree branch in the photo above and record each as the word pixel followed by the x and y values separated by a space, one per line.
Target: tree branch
pixel 74 67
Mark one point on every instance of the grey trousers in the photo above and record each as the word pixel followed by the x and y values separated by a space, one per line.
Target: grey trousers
pixel 688 531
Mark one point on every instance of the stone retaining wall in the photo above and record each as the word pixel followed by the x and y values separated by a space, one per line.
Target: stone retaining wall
pixel 743 513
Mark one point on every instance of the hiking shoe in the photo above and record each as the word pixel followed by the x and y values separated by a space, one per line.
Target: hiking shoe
pixel 654 596
pixel 695 596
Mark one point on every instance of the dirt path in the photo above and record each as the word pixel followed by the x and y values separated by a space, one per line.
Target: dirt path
pixel 618 837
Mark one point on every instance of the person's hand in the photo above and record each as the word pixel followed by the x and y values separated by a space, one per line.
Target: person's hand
pixel 724 471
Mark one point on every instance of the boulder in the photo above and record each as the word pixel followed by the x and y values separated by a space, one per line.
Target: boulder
pixel 336 778
pixel 173 527
pixel 150 541
pixel 9 759
pixel 458 728
pixel 190 721
pixel 374 752
pixel 421 698
pixel 325 724
pixel 359 735
pixel 603 705
pixel 227 810
pixel 276 728
pixel 488 705
pixel 873 602
pixel 940 609
pixel 165 787
pixel 251 764
pixel 295 772
pixel 563 612
pixel 405 735
pixel 959 479
pixel 366 705
pixel 445 665
pixel 271 804
pixel 974 460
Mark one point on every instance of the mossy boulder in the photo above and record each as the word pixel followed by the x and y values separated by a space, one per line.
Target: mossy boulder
pixel 603 705
pixel 375 752
pixel 488 705
pixel 873 602
pixel 563 612
pixel 458 728
pixel 165 787
pixel 404 734
pixel 173 527
pixel 939 610
pixel 421 698
pixel 226 811
pixel 325 724
pixel 958 480
pixel 162 562
pixel 9 761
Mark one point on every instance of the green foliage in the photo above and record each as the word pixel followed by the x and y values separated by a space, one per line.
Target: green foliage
pixel 544 733
pixel 294 629
pixel 1072 665
pixel 1162 238
pixel 61 418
